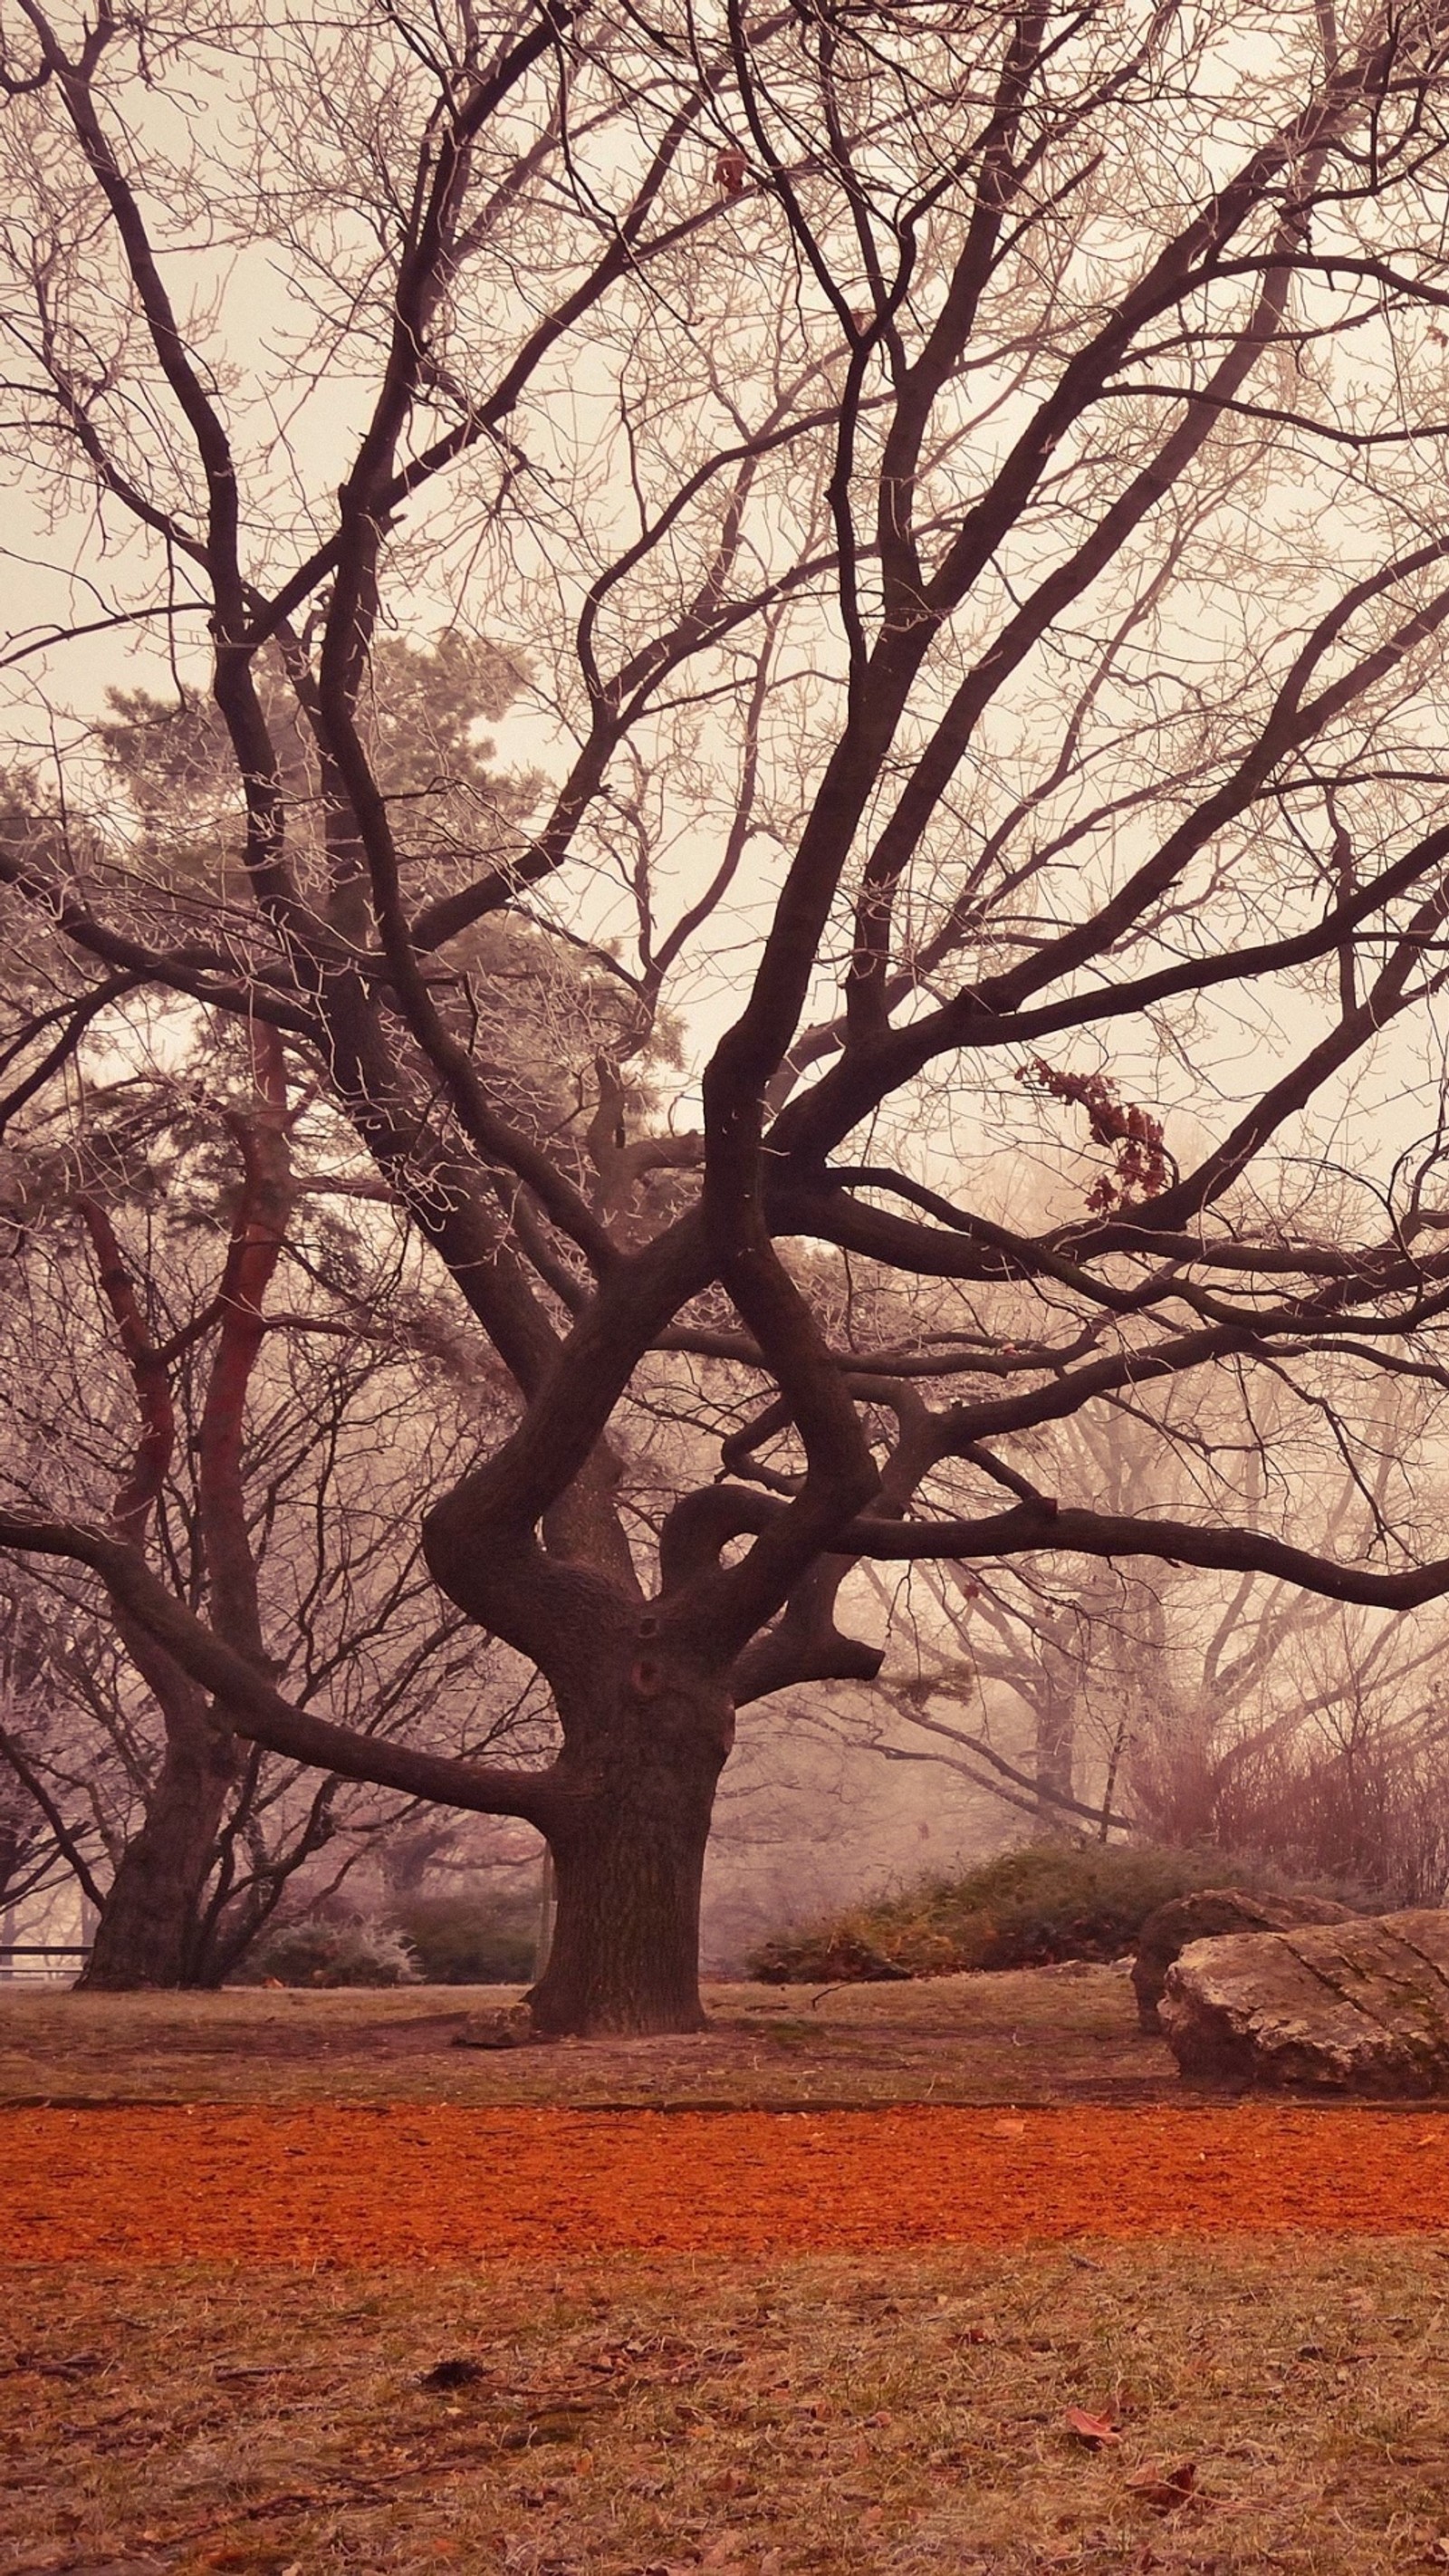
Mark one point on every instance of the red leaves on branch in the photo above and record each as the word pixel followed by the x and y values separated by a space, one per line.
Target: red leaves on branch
pixel 1134 1136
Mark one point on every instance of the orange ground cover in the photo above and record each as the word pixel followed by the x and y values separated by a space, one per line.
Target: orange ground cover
pixel 443 2184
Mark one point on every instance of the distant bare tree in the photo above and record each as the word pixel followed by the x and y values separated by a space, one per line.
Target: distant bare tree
pixel 1201 1711
pixel 49 1828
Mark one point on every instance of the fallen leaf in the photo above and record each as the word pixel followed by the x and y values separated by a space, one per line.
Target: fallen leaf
pixel 1008 2128
pixel 1095 2430
pixel 1165 2490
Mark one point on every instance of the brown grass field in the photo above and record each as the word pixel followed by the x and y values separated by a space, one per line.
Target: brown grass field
pixel 1033 2035
pixel 884 2412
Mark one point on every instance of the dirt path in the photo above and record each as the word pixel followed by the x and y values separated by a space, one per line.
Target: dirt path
pixel 435 2183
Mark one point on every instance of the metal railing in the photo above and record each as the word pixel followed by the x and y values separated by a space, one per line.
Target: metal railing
pixel 10 1950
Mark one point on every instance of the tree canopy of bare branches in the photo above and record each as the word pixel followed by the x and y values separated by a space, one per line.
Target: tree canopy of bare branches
pixel 958 488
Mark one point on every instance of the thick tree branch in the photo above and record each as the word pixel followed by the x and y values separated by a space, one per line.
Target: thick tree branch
pixel 254 1709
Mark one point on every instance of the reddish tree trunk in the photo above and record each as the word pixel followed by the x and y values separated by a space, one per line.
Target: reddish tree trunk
pixel 147 1932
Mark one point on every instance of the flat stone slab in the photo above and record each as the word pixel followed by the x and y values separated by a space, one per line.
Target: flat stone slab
pixel 1354 2007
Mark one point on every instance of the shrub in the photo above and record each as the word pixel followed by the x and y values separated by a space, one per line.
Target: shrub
pixel 313 1953
pixel 1026 1908
pixel 470 1941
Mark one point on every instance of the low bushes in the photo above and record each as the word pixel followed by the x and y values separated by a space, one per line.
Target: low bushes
pixel 470 1941
pixel 313 1952
pixel 433 1940
pixel 1024 1909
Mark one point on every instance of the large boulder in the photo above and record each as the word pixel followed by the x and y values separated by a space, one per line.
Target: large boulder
pixel 1202 1916
pixel 1354 2007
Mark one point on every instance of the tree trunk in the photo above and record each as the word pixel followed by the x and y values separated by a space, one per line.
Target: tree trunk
pixel 1056 1747
pixel 628 1851
pixel 11 1848
pixel 150 1931
pixel 149 1927
pixel 1062 1642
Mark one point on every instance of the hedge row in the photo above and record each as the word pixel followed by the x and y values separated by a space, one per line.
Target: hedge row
pixel 1027 1908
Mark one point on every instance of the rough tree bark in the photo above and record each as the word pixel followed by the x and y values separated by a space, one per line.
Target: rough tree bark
pixel 146 1932
pixel 628 1849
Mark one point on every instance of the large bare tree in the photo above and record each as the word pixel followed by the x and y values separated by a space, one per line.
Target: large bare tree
pixel 962 483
